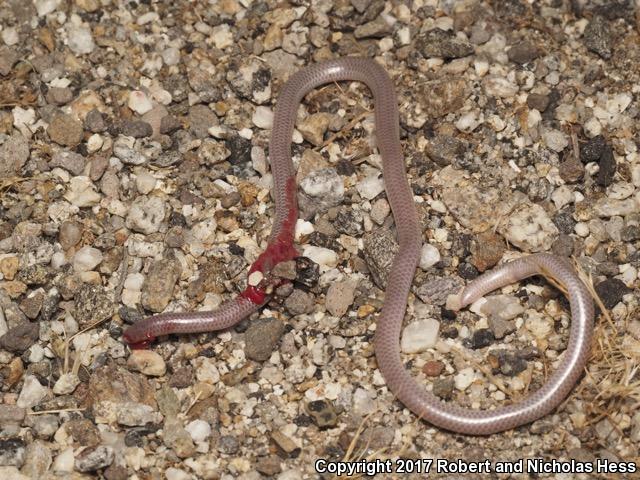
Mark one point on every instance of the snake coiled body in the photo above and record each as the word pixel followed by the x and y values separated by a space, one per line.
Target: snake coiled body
pixel 409 236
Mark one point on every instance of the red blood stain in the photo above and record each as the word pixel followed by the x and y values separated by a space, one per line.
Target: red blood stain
pixel 256 295
pixel 142 345
pixel 280 249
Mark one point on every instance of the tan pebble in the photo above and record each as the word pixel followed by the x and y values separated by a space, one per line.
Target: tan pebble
pixel 284 442
pixel 147 362
pixel 248 193
pixel 230 7
pixel 203 390
pixel 225 419
pixel 121 236
pixel 304 386
pixel 493 361
pixel 16 369
pixel 14 289
pixel 189 351
pixel 47 39
pixel 365 310
pixel 9 267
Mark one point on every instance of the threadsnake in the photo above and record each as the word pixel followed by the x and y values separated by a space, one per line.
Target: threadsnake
pixel 409 236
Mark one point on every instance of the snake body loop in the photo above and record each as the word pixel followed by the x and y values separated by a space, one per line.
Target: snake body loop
pixel 387 348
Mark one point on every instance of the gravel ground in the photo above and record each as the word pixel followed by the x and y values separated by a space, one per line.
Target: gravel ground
pixel 135 179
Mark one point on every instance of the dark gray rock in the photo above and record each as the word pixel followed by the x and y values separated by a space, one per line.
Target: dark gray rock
pixel 436 290
pixel 523 52
pixel 92 305
pixel 380 247
pixel 70 161
pixel 443 388
pixel 136 129
pixel 608 167
pixel 322 413
pixel 444 44
pixel 12 452
pixel 592 150
pixel 300 302
pixel 94 122
pixel 201 118
pixel 597 37
pixel 445 149
pixel 482 338
pixel 262 337
pixel 20 338
pixel 611 291
pixel 92 459
pixel 538 101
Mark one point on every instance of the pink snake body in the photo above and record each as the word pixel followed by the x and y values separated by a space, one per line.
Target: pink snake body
pixel 280 248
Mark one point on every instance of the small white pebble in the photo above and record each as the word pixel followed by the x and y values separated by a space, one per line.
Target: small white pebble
pixel 259 160
pixel 592 127
pixel 263 117
pixel 464 378
pixel 404 36
pixel 147 18
pixel 553 78
pixel 363 402
pixel 222 36
pixel 58 259
pixel 628 274
pixel 561 196
pixel 139 102
pixel 66 384
pixel 80 39
pixel 45 7
pixel 620 190
pixel 582 229
pixel 469 121
pixel 337 341
pixel 23 116
pixel 635 174
pixel 429 256
pixel 173 473
pixel 199 430
pixel 145 182
pixel 497 123
pixel 322 256
pixel 303 228
pixel 86 259
pixel 385 44
pixel 533 118
pixel 94 143
pixel 481 67
pixel 134 281
pixel 371 186
pixel 246 133
pixel 32 392
pixel 10 36
pixel 255 278
pixel 36 353
pixel 64 462
pixel 171 56
pixel 419 336
pixel 440 235
pixel 438 206
pixel 555 139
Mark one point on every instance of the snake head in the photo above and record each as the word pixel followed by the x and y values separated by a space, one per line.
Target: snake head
pixel 138 342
